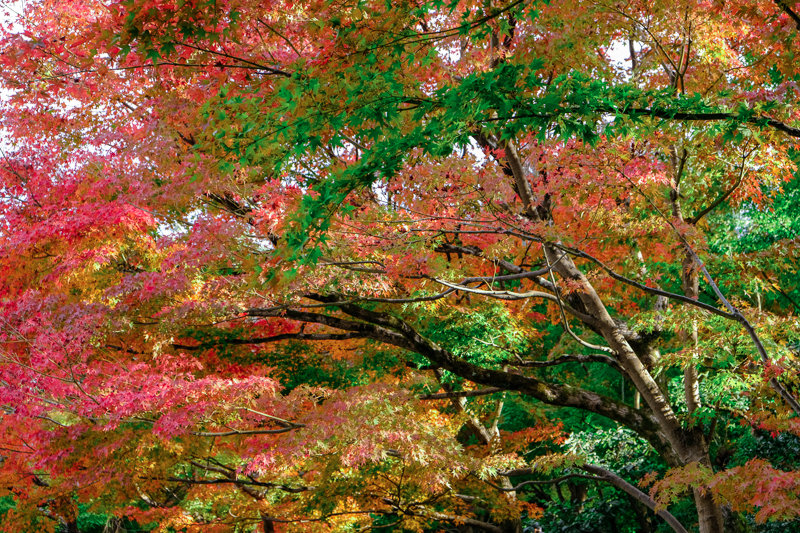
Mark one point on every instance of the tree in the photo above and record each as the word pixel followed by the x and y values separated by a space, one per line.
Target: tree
pixel 338 265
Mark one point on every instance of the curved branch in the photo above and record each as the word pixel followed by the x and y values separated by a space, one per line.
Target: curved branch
pixel 644 288
pixel 231 481
pixel 258 66
pixel 784 5
pixel 630 490
pixel 577 358
pixel 543 481
pixel 564 320
pixel 510 277
pixel 461 394
pixel 392 330
pixel 599 473
pixel 500 295
pixel 367 330
pixel 511 296
pixel 245 432
pixel 721 198
pixel 274 338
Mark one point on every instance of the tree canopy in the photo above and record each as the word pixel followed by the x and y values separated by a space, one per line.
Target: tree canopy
pixel 354 265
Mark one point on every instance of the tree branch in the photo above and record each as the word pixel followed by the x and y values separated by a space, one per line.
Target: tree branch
pixel 602 474
pixel 631 490
pixel 274 338
pixel 703 212
pixel 784 5
pixel 392 330
pixel 576 358
pixel 246 432
pixel 651 290
pixel 229 481
pixel 461 394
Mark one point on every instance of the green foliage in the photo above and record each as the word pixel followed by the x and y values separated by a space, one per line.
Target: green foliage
pixel 619 448
pixel 607 512
pixel 6 503
pixel 487 336
pixel 90 522
pixel 781 449
pixel 752 227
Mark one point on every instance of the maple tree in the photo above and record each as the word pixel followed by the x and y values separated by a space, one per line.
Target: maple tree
pixel 338 266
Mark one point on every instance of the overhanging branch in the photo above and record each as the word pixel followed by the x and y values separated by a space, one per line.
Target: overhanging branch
pixel 392 330
pixel 599 473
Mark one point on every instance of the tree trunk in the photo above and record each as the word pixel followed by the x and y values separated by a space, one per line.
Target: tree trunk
pixel 709 513
pixel 513 525
pixel 690 281
pixel 114 525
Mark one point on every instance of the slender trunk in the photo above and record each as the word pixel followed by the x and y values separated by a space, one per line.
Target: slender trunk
pixel 489 437
pixel 709 513
pixel 267 524
pixel 688 336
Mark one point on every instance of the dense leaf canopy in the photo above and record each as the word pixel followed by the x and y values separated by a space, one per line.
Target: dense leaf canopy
pixel 350 265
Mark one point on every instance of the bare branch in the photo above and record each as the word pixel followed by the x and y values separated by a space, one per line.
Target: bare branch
pixel 461 394
pixel 651 290
pixel 631 490
pixel 784 5
pixel 274 338
pixel 245 432
pixel 599 473
pixel 576 358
